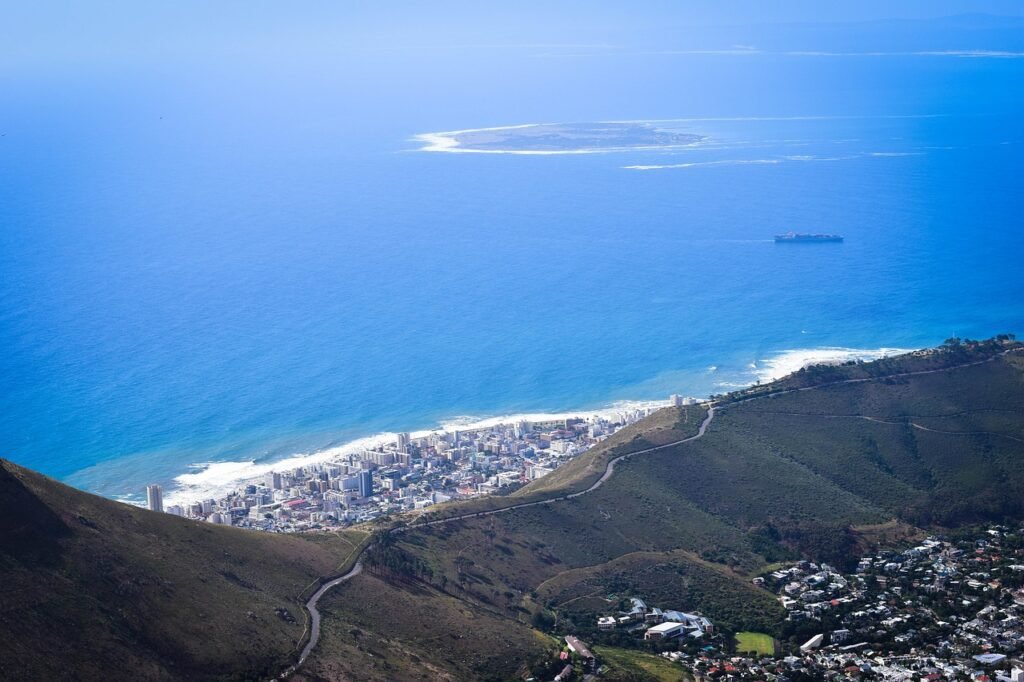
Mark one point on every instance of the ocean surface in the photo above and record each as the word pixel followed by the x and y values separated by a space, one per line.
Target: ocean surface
pixel 242 264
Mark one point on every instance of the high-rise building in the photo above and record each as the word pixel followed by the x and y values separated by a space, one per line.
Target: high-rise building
pixel 333 500
pixel 155 498
pixel 365 483
pixel 379 458
pixel 273 480
pixel 403 442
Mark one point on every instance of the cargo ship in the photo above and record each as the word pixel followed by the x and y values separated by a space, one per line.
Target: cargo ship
pixel 800 237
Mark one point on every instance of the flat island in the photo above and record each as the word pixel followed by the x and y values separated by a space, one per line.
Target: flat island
pixel 559 138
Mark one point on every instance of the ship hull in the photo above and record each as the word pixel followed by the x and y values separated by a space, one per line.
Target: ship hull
pixel 807 239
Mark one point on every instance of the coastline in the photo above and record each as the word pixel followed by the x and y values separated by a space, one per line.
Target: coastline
pixel 215 479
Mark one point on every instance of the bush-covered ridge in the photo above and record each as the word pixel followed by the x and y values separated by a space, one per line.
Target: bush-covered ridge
pixel 954 352
pixel 923 439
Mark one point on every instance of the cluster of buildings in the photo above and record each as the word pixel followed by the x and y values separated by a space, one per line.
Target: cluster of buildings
pixel 586 660
pixel 941 610
pixel 408 474
pixel 657 624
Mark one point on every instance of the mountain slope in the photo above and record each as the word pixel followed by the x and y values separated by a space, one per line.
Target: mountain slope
pixel 927 439
pixel 95 589
pixel 817 465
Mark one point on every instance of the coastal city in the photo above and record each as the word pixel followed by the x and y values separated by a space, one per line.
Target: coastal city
pixel 940 610
pixel 449 341
pixel 408 474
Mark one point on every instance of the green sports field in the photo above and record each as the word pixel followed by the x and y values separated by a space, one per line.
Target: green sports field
pixel 756 642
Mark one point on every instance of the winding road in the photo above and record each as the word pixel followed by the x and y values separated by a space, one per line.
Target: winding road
pixel 314 615
pixel 608 471
pixel 314 636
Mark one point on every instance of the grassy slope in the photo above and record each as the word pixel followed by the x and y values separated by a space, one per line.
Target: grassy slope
pixel 675 579
pixel 970 474
pixel 686 526
pixel 130 594
pixel 627 664
pixel 756 642
pixel 379 630
pixel 665 426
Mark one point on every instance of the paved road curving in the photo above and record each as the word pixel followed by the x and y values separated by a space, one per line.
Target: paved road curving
pixel 314 636
pixel 314 632
pixel 314 615
pixel 608 471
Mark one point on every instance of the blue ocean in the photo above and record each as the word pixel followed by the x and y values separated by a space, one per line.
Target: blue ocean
pixel 250 259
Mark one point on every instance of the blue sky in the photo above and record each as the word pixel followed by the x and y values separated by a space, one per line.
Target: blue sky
pixel 48 30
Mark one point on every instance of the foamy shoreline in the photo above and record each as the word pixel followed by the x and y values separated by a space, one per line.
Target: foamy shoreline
pixel 785 362
pixel 446 141
pixel 217 479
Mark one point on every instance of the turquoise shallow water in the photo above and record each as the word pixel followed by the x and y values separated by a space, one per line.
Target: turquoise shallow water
pixel 228 267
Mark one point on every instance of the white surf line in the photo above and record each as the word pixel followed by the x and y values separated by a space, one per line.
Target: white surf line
pixel 866 379
pixel 216 479
pixel 770 161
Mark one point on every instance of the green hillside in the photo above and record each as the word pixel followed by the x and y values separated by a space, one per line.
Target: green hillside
pixel 94 589
pixel 821 473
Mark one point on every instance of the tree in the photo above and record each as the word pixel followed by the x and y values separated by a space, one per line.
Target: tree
pixel 542 621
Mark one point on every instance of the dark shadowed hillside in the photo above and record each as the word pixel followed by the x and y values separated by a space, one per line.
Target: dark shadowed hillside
pixel 95 589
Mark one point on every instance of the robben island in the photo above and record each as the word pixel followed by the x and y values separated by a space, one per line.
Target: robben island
pixel 410 472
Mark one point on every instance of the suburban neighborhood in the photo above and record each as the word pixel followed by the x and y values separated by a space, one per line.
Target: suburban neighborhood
pixel 942 609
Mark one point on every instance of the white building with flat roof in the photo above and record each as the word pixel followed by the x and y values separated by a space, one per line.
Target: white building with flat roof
pixel 665 631
pixel 812 643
